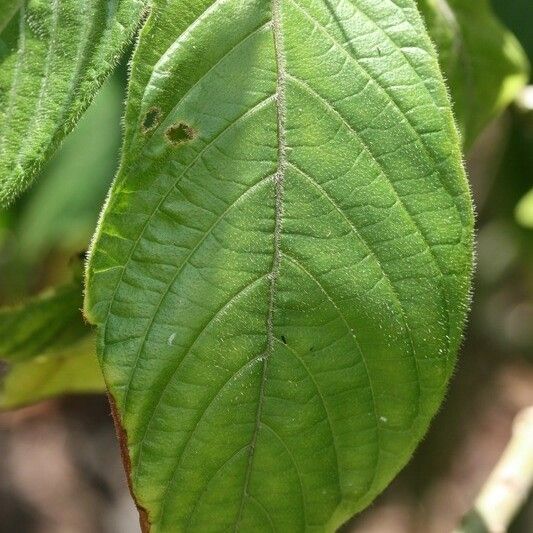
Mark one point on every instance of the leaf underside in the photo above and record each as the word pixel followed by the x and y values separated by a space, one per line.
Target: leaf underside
pixel 46 349
pixel 281 275
pixel 483 63
pixel 54 55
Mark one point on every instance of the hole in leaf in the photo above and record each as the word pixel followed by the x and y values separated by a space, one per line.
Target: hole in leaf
pixel 180 133
pixel 151 119
pixel 283 339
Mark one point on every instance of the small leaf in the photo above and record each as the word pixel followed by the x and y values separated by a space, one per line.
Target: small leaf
pixel 54 55
pixel 281 274
pixel 482 61
pixel 48 349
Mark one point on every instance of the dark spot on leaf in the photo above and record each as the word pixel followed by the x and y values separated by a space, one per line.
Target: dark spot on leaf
pixel 151 119
pixel 283 339
pixel 180 133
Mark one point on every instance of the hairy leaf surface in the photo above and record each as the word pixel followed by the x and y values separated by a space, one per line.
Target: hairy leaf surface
pixel 54 56
pixel 47 349
pixel 482 61
pixel 281 274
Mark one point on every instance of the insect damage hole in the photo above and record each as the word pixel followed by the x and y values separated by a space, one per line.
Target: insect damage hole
pixel 151 119
pixel 179 133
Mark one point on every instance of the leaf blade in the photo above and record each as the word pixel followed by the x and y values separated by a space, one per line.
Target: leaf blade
pixel 259 285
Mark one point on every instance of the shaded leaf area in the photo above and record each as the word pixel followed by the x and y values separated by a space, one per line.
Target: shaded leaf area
pixel 281 275
pixel 483 63
pixel 53 58
pixel 47 348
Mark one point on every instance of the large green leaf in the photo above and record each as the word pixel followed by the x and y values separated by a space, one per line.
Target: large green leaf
pixel 48 348
pixel 54 55
pixel 281 274
pixel 483 63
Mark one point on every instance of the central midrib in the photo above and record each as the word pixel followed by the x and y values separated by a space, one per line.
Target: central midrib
pixel 278 180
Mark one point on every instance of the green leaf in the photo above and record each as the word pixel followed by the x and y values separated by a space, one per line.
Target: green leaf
pixel 281 274
pixel 54 55
pixel 483 63
pixel 48 348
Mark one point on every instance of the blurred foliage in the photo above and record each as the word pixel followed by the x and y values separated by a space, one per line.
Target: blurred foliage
pixel 516 15
pixel 74 184
pixel 45 344
pixel 47 348
pixel 64 371
pixel 56 219
pixel 482 61
pixel 504 295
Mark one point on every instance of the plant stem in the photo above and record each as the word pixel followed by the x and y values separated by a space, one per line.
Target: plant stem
pixel 508 485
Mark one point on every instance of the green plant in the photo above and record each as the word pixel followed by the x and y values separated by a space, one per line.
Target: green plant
pixel 281 272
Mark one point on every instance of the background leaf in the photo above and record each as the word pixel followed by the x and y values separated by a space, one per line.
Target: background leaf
pixel 282 271
pixel 54 55
pixel 516 16
pixel 48 348
pixel 55 219
pixel 482 61
pixel 70 370
pixel 61 210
